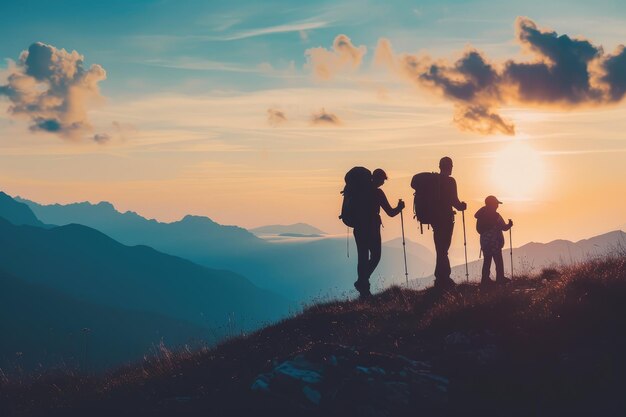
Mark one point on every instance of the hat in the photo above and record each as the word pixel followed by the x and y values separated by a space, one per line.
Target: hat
pixel 493 200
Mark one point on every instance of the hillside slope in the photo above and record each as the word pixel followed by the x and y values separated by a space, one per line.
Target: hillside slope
pixel 41 327
pixel 16 212
pixel 88 265
pixel 549 345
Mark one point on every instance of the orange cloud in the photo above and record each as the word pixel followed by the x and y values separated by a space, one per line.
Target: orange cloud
pixel 344 56
pixel 324 118
pixel 276 117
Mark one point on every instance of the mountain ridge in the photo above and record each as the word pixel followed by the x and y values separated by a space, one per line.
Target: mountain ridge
pixel 87 264
pixel 320 264
pixel 295 228
pixel 57 326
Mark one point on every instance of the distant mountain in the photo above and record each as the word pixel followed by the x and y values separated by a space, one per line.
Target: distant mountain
pixel 42 326
pixel 88 265
pixel 298 268
pixel 532 257
pixel 16 212
pixel 188 235
pixel 298 235
pixel 279 229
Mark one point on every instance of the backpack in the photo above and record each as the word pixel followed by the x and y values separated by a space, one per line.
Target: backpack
pixel 357 197
pixel 480 225
pixel 426 197
pixel 484 222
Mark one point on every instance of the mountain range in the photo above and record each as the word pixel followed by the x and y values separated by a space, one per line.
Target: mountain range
pixel 299 269
pixel 134 282
pixel 57 280
pixel 279 229
pixel 87 264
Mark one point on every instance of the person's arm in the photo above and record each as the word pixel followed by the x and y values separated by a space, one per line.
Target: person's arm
pixel 456 203
pixel 384 204
pixel 502 225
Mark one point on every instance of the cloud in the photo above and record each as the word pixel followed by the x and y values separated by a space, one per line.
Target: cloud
pixel 480 119
pixel 101 137
pixel 561 72
pixel 276 117
pixel 323 118
pixel 564 72
pixel 615 74
pixel 53 89
pixel 344 56
pixel 289 27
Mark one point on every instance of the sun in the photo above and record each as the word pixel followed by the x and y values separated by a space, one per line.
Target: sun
pixel 518 171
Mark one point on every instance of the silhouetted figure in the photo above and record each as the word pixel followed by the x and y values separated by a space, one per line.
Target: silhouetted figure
pixel 443 222
pixel 490 225
pixel 367 234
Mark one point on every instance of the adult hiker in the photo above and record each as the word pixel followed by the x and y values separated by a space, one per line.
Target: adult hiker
pixel 490 225
pixel 443 222
pixel 361 210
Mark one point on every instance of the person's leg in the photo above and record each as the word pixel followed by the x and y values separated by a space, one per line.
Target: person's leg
pixel 362 250
pixel 439 248
pixel 486 266
pixel 497 259
pixel 443 238
pixel 375 251
pixel 449 229
pixel 442 234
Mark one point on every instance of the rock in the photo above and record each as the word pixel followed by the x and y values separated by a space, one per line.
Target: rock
pixel 475 348
pixel 343 379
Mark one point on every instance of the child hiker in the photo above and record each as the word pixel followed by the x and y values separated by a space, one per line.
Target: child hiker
pixel 490 225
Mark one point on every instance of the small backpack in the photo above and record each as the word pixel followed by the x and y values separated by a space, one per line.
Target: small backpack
pixel 426 197
pixel 485 222
pixel 357 197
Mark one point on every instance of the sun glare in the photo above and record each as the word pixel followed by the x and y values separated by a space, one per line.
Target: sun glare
pixel 518 171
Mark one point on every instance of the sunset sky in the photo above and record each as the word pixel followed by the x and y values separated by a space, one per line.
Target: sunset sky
pixel 251 112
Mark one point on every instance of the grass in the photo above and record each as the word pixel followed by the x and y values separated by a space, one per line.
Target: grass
pixel 548 344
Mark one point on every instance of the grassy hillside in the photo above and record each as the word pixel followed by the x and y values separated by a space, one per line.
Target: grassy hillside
pixel 547 345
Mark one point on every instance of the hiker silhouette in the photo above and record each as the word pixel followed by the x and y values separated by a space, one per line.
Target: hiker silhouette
pixel 367 232
pixel 490 225
pixel 443 222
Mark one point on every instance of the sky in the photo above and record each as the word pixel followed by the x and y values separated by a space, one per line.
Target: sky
pixel 250 113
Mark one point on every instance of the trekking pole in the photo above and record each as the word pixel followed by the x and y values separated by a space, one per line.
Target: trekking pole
pixel 465 247
pixel 511 249
pixel 348 241
pixel 406 271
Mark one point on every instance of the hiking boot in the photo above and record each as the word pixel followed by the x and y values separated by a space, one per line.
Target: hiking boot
pixel 365 294
pixel 486 282
pixel 363 288
pixel 444 283
pixel 503 280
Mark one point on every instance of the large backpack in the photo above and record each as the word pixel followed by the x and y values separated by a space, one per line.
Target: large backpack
pixel 357 197
pixel 426 197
